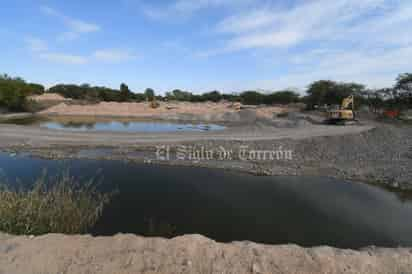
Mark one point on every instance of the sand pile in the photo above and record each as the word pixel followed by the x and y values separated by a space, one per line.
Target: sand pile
pixel 135 109
pixel 168 110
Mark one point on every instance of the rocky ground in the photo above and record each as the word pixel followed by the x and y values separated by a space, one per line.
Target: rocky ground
pixel 376 153
pixel 53 254
pixel 382 155
pixel 372 152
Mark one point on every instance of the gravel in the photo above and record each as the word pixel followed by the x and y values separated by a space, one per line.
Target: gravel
pixel 375 152
pixel 382 155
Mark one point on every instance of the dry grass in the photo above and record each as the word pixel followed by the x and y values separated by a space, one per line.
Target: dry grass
pixel 59 205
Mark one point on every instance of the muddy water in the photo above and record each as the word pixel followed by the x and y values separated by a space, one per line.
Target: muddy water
pixel 227 206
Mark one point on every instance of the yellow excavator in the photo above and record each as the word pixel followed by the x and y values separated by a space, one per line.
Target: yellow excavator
pixel 345 114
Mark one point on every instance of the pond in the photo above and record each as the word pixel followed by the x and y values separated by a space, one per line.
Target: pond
pixel 114 125
pixel 228 206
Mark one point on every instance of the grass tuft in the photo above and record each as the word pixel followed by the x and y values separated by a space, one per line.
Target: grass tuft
pixel 59 205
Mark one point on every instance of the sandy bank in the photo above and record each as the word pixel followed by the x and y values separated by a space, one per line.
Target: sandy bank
pixel 187 254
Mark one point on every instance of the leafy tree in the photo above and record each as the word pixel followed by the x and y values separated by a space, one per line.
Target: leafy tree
pixel 34 89
pixel 138 97
pixel 403 89
pixel 12 98
pixel 213 96
pixel 13 92
pixel 252 98
pixel 231 97
pixel 87 92
pixel 179 95
pixel 376 98
pixel 149 94
pixel 281 97
pixel 318 91
pixel 331 93
pixel 124 92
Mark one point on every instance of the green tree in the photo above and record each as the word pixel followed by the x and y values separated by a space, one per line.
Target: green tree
pixel 318 91
pixel 124 92
pixel 403 89
pixel 281 97
pixel 376 98
pixel 213 96
pixel 13 92
pixel 231 97
pixel 331 93
pixel 149 94
pixel 179 95
pixel 252 98
pixel 86 92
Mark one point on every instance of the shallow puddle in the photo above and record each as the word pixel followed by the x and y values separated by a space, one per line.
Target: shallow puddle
pixel 114 125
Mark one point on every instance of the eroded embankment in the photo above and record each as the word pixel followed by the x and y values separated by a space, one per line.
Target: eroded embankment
pixel 187 254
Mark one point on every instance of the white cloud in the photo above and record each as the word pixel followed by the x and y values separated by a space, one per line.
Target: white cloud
pixel 194 5
pixel 113 55
pixel 183 8
pixel 63 58
pixel 366 41
pixel 36 44
pixel 377 68
pixel 75 27
pixel 246 22
pixel 81 26
pixel 269 39
pixel 68 36
pixel 312 20
pixel 105 55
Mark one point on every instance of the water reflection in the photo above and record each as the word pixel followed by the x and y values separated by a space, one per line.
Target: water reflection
pixel 227 206
pixel 116 125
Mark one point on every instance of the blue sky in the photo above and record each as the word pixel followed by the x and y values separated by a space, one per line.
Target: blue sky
pixel 202 45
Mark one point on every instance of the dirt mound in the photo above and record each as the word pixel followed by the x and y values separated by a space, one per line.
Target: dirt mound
pixel 187 254
pixel 219 112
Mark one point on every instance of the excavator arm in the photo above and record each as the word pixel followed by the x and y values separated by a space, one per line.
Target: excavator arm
pixel 348 103
pixel 345 114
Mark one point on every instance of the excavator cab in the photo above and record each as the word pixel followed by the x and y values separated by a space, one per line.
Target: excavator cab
pixel 345 114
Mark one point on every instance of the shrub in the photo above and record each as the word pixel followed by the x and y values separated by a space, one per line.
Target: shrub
pixel 252 98
pixel 62 205
pixel 13 92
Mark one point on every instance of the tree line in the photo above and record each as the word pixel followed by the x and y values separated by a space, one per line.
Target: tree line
pixel 14 91
pixel 332 93
pixel 90 93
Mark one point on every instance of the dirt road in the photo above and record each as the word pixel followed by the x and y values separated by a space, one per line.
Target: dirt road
pixel 17 136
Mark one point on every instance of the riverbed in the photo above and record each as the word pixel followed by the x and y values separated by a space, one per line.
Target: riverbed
pixel 230 206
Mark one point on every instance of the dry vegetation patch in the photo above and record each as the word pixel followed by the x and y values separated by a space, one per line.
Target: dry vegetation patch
pixel 59 205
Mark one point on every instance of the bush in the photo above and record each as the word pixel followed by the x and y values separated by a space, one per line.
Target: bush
pixel 13 92
pixel 281 97
pixel 252 98
pixel 12 99
pixel 61 206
